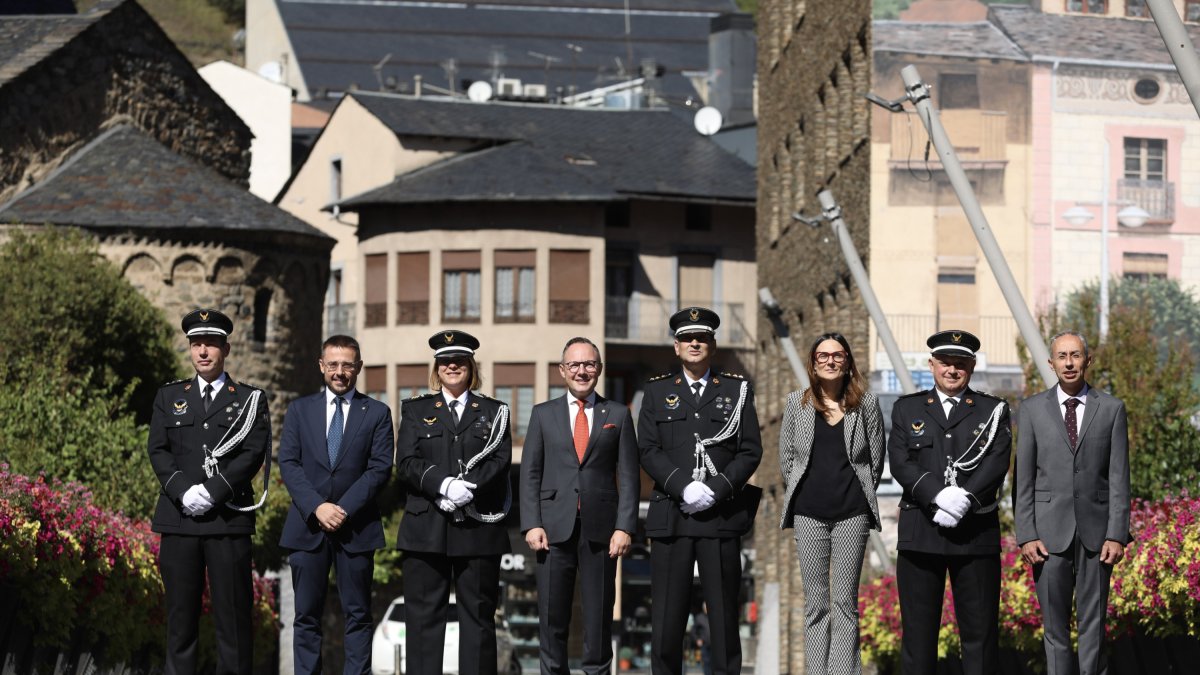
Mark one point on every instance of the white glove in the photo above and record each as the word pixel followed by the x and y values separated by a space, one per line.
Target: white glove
pixel 459 491
pixel 696 497
pixel 953 501
pixel 446 505
pixel 944 519
pixel 196 501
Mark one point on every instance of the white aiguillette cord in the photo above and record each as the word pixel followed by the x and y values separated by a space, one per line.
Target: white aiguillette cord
pixel 243 424
pixel 704 463
pixel 970 464
pixel 494 439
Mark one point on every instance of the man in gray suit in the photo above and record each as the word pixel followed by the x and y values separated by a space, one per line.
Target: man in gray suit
pixel 579 499
pixel 1071 497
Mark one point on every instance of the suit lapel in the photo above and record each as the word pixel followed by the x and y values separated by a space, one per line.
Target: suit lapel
pixel 848 432
pixel 935 410
pixel 711 391
pixel 965 407
pixel 224 397
pixel 318 429
pixel 443 412
pixel 355 410
pixel 1056 417
pixel 805 429
pixel 1094 403
pixel 599 415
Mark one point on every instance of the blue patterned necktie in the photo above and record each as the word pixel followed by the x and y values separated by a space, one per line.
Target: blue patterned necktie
pixel 334 438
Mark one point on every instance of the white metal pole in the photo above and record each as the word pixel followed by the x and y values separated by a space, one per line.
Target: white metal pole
pixel 1180 46
pixel 1104 248
pixel 833 213
pixel 918 93
pixel 771 305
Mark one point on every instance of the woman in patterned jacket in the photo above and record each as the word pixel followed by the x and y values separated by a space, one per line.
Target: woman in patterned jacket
pixel 831 453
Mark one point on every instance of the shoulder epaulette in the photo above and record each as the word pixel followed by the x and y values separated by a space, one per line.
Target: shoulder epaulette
pixel 418 397
pixel 174 382
pixel 987 395
pixel 656 378
pixel 735 376
pixel 486 397
pixel 923 392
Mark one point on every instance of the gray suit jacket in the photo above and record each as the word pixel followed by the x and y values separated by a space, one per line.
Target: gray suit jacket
pixel 864 443
pixel 555 485
pixel 1058 493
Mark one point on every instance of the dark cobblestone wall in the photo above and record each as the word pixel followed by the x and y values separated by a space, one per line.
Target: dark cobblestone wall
pixel 813 134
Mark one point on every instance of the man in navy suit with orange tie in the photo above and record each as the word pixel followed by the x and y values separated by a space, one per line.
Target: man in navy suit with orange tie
pixel 335 457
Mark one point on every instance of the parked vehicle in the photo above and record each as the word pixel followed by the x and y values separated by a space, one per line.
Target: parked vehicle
pixel 390 633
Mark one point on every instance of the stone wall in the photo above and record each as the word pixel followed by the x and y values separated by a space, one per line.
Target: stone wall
pixel 120 69
pixel 814 66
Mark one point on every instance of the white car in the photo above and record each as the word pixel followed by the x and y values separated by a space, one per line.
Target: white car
pixel 390 633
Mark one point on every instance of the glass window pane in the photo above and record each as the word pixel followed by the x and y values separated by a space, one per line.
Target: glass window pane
pixel 557 390
pixel 504 292
pixel 524 406
pixel 452 295
pixel 525 299
pixel 473 297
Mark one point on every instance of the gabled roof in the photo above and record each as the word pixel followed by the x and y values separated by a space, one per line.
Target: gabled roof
pixel 27 39
pixel 125 179
pixel 549 152
pixel 337 42
pixel 975 40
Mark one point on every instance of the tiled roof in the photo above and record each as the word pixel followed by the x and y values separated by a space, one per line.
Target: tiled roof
pixel 977 40
pixel 564 151
pixel 337 42
pixel 126 180
pixel 26 40
pixel 1075 37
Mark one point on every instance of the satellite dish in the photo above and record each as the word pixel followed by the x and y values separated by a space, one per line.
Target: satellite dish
pixel 707 120
pixel 479 91
pixel 272 70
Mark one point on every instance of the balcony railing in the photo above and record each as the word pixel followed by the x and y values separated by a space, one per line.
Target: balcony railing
pixel 412 312
pixel 978 136
pixel 569 311
pixel 1156 196
pixel 339 320
pixel 997 334
pixel 646 320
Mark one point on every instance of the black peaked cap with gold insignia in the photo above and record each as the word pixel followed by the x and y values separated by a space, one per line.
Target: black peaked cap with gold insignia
pixel 453 342
pixel 206 322
pixel 694 320
pixel 953 343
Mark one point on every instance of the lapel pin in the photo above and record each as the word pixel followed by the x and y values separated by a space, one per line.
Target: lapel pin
pixel 929 400
pixel 474 404
pixel 678 380
pixel 231 389
pixel 187 387
pixel 716 381
pixel 438 404
pixel 970 401
pixel 229 409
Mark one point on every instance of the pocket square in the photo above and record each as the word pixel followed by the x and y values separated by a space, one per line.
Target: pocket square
pixel 609 426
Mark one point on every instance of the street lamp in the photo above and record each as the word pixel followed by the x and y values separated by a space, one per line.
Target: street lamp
pixel 1130 216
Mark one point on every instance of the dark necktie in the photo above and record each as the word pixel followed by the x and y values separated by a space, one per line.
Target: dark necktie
pixel 696 386
pixel 1072 422
pixel 206 396
pixel 333 439
pixel 454 412
pixel 953 404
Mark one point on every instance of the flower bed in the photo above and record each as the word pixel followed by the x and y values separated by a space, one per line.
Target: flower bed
pixel 1155 590
pixel 86 579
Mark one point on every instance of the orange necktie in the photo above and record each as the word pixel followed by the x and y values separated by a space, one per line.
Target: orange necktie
pixel 581 431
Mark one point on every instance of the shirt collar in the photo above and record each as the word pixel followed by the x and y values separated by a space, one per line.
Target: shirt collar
pixel 942 396
pixel 591 400
pixel 329 396
pixel 216 384
pixel 462 400
pixel 1082 395
pixel 703 380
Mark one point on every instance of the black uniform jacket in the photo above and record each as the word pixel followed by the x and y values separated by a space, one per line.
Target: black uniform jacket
pixel 430 449
pixel 667 428
pixel 921 445
pixel 180 432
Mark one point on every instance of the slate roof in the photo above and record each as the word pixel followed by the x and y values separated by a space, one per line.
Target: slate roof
pixel 125 179
pixel 27 39
pixel 1076 37
pixel 976 40
pixel 336 42
pixel 555 153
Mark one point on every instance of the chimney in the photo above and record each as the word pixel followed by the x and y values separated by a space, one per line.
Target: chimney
pixel 731 64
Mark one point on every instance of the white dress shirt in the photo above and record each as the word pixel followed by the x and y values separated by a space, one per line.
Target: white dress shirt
pixel 1079 409
pixel 330 409
pixel 573 410
pixel 462 401
pixel 703 380
pixel 217 384
pixel 946 408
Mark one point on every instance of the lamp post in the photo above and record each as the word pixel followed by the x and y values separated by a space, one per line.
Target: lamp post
pixel 1130 216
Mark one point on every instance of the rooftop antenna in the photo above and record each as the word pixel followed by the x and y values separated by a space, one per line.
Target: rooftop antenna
pixel 378 68
pixel 497 61
pixel 548 59
pixel 575 51
pixel 450 67
pixel 628 44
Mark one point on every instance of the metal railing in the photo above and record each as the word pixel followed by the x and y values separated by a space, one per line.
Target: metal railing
pixel 997 334
pixel 339 319
pixel 645 320
pixel 1156 196
pixel 979 135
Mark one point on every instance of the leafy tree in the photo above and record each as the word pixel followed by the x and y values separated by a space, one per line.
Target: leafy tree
pixel 1148 361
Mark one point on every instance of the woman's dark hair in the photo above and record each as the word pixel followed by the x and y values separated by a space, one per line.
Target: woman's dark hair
pixel 854 385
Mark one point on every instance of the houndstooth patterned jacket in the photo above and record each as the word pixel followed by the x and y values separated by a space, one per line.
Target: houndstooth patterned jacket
pixel 864 443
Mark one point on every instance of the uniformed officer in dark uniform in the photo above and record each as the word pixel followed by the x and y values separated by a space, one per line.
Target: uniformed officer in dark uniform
pixel 205 509
pixel 949 449
pixel 453 457
pixel 699 440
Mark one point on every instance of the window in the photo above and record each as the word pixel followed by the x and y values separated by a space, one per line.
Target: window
pixel 958 90
pixel 515 281
pixel 1145 159
pixel 958 299
pixel 262 311
pixel 698 217
pixel 557 386
pixel 1144 266
pixel 335 180
pixel 570 284
pixel 460 286
pixel 618 290
pixel 514 386
pixel 411 380
pixel 374 383
pixel 412 288
pixel 616 215
pixel 1191 10
pixel 1146 90
pixel 696 279
pixel 375 293
pixel 1087 6
pixel 1136 8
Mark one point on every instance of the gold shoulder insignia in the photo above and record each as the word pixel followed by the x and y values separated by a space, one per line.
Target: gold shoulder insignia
pixel 175 382
pixel 734 375
pixel 656 378
pixel 915 393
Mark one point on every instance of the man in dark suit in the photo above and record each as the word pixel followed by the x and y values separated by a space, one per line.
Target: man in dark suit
pixel 335 457
pixel 579 502
pixel 949 449
pixel 453 456
pixel 205 509
pixel 1071 501
pixel 700 442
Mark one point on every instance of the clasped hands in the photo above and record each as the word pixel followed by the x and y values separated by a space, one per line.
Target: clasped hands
pixel 456 493
pixel 196 501
pixel 953 503
pixel 696 497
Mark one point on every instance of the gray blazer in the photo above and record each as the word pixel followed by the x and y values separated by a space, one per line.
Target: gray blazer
pixel 1057 492
pixel 864 443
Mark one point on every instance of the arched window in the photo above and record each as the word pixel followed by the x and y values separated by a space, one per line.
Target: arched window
pixel 262 308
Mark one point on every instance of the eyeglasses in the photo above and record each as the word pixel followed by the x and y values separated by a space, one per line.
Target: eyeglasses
pixel 336 366
pixel 824 357
pixel 588 366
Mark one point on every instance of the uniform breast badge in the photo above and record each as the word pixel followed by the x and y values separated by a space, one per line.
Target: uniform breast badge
pixel 918 427
pixel 429 421
pixel 181 407
pixel 672 402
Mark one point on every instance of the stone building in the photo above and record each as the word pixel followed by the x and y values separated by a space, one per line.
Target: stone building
pixel 108 128
pixel 814 66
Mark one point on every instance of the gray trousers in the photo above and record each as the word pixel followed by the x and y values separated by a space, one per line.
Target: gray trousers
pixel 1079 572
pixel 831 559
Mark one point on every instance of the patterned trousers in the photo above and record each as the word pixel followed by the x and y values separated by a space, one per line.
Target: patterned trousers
pixel 831 559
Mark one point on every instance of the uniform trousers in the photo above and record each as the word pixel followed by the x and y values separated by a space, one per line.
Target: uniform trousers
pixel 556 572
pixel 672 560
pixel 427 581
pixel 831 558
pixel 310 580
pixel 975 582
pixel 182 560
pixel 1080 571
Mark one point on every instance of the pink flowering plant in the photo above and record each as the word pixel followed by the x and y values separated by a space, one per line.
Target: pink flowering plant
pixel 1156 589
pixel 83 576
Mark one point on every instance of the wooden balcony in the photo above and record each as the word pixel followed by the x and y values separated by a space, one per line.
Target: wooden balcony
pixel 979 137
